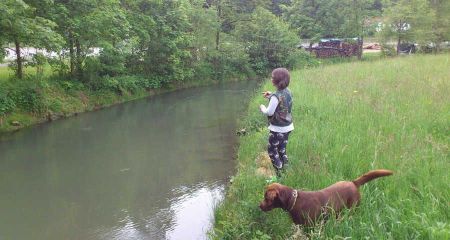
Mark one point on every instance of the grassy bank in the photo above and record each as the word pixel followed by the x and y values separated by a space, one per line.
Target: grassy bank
pixel 32 100
pixel 351 118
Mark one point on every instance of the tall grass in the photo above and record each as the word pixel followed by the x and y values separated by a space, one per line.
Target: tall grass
pixel 351 118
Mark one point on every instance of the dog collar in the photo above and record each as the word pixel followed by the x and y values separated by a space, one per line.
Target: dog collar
pixel 294 195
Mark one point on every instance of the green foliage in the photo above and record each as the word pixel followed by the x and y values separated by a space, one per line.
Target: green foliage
pixel 300 58
pixel 92 68
pixel 58 66
pixel 336 18
pixel 388 50
pixel 21 24
pixel 112 61
pixel 230 61
pixel 7 104
pixel 268 41
pixel 2 53
pixel 124 84
pixel 28 96
pixel 38 61
pixel 408 21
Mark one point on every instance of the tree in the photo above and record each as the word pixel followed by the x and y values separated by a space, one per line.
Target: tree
pixel 269 41
pixel 357 14
pixel 314 19
pixel 161 36
pixel 20 24
pixel 86 24
pixel 440 22
pixel 407 21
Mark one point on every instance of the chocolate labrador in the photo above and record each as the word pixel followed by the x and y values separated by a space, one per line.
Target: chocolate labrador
pixel 305 207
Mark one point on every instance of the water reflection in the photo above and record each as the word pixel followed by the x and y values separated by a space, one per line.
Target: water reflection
pixel 149 169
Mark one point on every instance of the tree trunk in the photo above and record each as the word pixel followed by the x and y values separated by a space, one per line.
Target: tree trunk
pixel 72 56
pixel 360 49
pixel 399 29
pixel 19 71
pixel 219 13
pixel 79 69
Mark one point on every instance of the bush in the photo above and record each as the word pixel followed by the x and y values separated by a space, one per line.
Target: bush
pixel 149 82
pixel 27 95
pixel 269 41
pixel 70 86
pixel 123 84
pixel 92 68
pixel 300 58
pixel 58 66
pixel 388 50
pixel 112 61
pixel 7 105
pixel 38 61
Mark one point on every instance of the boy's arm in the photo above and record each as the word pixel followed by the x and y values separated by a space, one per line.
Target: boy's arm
pixel 271 108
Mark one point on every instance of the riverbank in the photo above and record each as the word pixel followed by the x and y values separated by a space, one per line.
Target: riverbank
pixel 351 118
pixel 36 101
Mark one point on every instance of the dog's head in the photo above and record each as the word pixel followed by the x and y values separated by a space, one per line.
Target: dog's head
pixel 275 197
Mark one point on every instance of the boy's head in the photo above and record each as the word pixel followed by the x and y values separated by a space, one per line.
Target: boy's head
pixel 280 78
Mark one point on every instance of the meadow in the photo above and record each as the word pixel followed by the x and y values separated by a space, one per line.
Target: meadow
pixel 351 118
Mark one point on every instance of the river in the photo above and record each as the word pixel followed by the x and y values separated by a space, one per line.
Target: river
pixel 154 168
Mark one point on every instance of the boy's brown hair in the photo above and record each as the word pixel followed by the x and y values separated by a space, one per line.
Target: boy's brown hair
pixel 281 78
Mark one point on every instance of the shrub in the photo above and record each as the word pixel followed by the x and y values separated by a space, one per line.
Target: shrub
pixel 92 67
pixel 70 86
pixel 38 61
pixel 112 61
pixel 388 50
pixel 149 82
pixel 7 105
pixel 301 59
pixel 58 66
pixel 269 41
pixel 27 95
pixel 123 84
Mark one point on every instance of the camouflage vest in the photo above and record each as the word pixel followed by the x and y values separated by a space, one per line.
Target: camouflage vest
pixel 282 116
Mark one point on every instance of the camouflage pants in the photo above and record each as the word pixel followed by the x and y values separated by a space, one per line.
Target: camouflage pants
pixel 277 149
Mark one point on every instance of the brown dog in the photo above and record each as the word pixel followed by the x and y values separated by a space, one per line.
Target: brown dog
pixel 306 207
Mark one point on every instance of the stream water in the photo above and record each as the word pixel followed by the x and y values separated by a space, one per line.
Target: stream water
pixel 154 168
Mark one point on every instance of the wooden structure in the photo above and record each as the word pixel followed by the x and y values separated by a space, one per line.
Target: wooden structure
pixel 336 48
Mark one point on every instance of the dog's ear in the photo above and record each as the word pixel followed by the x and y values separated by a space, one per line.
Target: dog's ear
pixel 273 191
pixel 283 195
pixel 280 192
pixel 272 194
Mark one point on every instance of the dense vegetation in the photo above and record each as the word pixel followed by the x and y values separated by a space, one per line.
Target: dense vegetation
pixel 126 46
pixel 351 118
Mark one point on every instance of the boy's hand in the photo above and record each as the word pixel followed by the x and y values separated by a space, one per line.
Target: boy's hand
pixel 262 108
pixel 266 94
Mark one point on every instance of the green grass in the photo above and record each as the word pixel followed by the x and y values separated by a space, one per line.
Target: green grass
pixel 351 118
pixel 6 72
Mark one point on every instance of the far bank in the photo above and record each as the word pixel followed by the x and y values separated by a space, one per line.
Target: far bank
pixel 30 101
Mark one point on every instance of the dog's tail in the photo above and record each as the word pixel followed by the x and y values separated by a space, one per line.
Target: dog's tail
pixel 371 175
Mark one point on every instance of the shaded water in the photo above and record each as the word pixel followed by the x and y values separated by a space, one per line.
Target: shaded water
pixel 148 169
